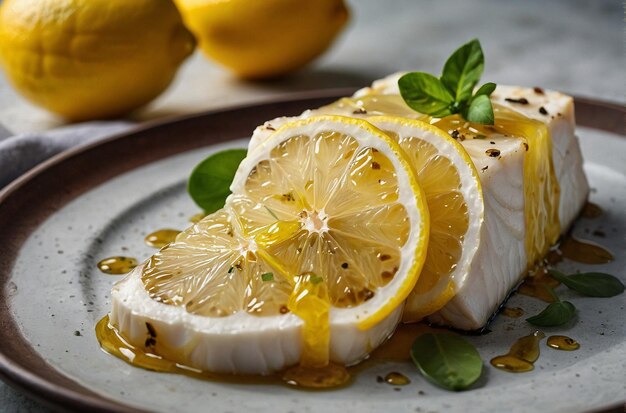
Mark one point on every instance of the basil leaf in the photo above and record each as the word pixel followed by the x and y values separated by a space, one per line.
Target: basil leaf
pixel 447 360
pixel 479 110
pixel 209 183
pixel 592 284
pixel 462 70
pixel 555 314
pixel 426 94
pixel 486 89
pixel 268 276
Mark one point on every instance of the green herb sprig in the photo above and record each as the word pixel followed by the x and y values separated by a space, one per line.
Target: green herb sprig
pixel 452 92
pixel 591 284
pixel 447 360
pixel 555 314
pixel 209 183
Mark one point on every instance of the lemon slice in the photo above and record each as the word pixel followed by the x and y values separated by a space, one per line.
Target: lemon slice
pixel 327 227
pixel 454 197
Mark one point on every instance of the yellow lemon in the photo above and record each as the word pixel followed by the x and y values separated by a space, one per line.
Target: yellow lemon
pixel 86 59
pixel 258 39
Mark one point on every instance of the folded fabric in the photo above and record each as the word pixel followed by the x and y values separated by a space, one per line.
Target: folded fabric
pixel 21 153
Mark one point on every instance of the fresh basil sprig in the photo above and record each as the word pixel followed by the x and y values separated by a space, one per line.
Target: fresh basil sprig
pixel 452 92
pixel 209 183
pixel 592 284
pixel 555 314
pixel 447 360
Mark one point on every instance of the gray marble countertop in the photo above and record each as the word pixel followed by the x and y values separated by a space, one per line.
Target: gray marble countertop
pixel 575 46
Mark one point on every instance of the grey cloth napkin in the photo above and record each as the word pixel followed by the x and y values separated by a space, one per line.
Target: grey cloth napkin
pixel 22 152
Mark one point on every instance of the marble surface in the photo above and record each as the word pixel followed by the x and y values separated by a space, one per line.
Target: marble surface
pixel 575 46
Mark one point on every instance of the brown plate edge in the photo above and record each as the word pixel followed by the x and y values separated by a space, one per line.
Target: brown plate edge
pixel 18 360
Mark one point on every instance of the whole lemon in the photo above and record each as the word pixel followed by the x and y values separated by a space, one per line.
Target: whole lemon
pixel 88 59
pixel 264 38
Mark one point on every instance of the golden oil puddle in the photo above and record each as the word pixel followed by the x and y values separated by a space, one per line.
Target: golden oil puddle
pixel 522 355
pixel 585 252
pixel 513 312
pixel 535 285
pixel 563 343
pixel 117 265
pixel 148 357
pixel 591 211
pixel 160 238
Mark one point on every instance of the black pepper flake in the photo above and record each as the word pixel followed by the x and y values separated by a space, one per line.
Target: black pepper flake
pixel 360 111
pixel 269 127
pixel 77 333
pixel 375 165
pixel 455 134
pixel 526 146
pixel 484 168
pixel 521 101
pixel 492 142
pixel 543 110
pixel 151 330
pixel 150 341
pixel 344 265
pixel 538 90
pixel 380 379
pixel 493 153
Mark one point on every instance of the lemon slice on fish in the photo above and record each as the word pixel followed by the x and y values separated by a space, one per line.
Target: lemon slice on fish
pixel 309 262
pixel 453 193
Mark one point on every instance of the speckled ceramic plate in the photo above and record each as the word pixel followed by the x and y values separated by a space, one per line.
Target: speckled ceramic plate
pixel 101 200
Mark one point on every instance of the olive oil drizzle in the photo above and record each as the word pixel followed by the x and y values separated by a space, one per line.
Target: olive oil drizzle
pixel 512 312
pixel 117 265
pixel 160 238
pixel 309 301
pixel 522 355
pixel 583 251
pixel 563 343
pixel 396 379
pixel 150 356
pixel 591 211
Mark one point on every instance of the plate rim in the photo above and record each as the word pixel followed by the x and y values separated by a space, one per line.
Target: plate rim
pixel 66 393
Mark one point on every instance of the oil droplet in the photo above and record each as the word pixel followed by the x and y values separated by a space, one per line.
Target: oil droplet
pixel 513 312
pixel 563 343
pixel 197 217
pixel 535 285
pixel 160 238
pixel 117 265
pixel 585 252
pixel 397 379
pixel 522 355
pixel 330 376
pixel 591 211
